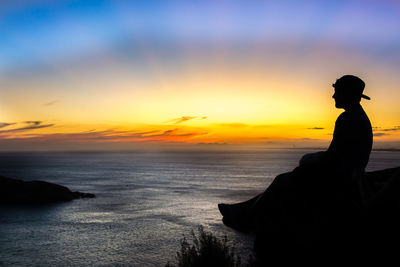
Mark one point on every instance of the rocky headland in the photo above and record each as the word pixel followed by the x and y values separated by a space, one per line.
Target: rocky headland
pixel 15 191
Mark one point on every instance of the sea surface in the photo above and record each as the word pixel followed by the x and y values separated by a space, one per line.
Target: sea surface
pixel 145 202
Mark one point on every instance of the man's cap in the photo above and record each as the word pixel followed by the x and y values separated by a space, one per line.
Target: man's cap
pixel 352 84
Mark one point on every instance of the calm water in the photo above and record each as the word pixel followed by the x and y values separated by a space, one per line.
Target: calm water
pixel 145 203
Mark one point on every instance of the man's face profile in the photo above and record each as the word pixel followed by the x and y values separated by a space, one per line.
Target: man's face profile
pixel 339 94
pixel 339 98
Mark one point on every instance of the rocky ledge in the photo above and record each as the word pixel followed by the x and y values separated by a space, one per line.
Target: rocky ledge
pixel 14 191
pixel 321 232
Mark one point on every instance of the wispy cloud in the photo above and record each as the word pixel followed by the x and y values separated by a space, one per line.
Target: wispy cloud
pixel 380 134
pixel 170 135
pixel 5 124
pixel 31 125
pixel 186 118
pixel 316 128
pixel 34 122
pixel 175 133
pixel 379 131
pixel 50 103
pixel 395 128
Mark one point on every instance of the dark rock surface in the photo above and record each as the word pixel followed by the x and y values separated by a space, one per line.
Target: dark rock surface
pixel 14 191
pixel 344 232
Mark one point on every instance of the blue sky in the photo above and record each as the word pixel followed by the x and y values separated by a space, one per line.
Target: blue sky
pixel 33 31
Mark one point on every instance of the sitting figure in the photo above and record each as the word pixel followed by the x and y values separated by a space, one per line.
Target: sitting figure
pixel 325 190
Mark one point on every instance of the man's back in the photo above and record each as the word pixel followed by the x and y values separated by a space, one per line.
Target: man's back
pixel 352 140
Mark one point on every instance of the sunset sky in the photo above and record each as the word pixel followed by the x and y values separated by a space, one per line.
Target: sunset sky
pixel 144 74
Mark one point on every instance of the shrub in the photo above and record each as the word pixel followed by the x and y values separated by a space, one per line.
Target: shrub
pixel 206 250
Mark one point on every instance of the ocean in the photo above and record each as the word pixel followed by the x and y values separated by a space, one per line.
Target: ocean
pixel 145 202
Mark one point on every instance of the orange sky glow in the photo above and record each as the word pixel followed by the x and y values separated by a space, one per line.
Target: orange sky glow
pixel 198 88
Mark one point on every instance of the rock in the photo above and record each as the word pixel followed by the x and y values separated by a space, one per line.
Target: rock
pixel 344 231
pixel 14 191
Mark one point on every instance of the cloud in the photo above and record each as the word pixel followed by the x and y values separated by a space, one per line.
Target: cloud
pixel 316 128
pixel 384 131
pixel 31 126
pixel 186 118
pixel 34 122
pixel 168 132
pixel 5 124
pixel 380 134
pixel 94 136
pixel 182 119
pixel 50 103
pixel 176 133
pixel 395 128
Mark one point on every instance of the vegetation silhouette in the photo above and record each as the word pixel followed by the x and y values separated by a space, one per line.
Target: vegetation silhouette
pixel 207 250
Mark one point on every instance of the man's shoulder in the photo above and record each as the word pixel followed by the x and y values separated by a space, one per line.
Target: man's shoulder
pixel 354 118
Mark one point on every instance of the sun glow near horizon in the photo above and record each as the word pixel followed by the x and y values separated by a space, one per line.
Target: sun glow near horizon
pixel 136 81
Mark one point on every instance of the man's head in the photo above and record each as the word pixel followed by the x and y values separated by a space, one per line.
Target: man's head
pixel 348 91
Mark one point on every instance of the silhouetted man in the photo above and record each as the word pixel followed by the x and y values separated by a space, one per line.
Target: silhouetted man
pixel 321 178
pixel 352 139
